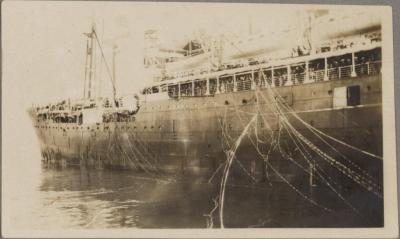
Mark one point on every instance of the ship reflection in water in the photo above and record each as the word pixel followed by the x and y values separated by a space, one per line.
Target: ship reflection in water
pixel 120 199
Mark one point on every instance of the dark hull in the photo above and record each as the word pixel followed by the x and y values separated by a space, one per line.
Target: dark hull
pixel 191 134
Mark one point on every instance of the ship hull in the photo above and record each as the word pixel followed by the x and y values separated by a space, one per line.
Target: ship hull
pixel 195 134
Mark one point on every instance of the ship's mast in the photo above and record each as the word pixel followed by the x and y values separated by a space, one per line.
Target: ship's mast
pixel 86 68
pixel 113 78
pixel 89 74
pixel 92 39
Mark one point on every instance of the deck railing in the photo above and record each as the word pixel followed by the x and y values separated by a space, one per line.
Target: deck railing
pixel 263 80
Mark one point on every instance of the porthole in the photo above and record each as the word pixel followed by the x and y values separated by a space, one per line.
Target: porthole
pixel 244 101
pixel 226 102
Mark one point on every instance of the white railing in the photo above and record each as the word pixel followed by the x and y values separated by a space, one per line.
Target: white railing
pixel 333 73
pixel 318 75
pixel 345 72
pixel 244 84
pixel 262 81
pixel 298 79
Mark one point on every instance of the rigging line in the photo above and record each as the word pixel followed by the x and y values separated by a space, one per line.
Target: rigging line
pixel 300 136
pixel 105 62
pixel 215 172
pixel 135 156
pixel 313 146
pixel 130 159
pixel 367 184
pixel 245 170
pixel 319 171
pixel 366 174
pixel 339 141
pixel 291 185
pixel 344 157
pixel 300 146
pixel 144 153
pixel 366 177
pixel 147 149
pixel 227 168
pixel 101 65
pixel 140 154
pixel 281 176
pixel 94 71
pixel 291 111
pixel 325 179
pixel 333 189
pixel 236 161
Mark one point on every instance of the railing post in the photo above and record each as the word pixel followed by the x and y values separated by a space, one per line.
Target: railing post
pixel 339 72
pixel 326 69
pixel 217 91
pixel 353 66
pixel 307 75
pixel 253 83
pixel 208 86
pixel 289 76
pixel 272 77
pixel 234 83
pixel 192 87
pixel 179 90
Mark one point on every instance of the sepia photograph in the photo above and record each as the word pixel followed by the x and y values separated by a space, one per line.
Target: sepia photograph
pixel 201 119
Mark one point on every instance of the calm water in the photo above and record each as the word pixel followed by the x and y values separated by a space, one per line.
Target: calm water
pixel 80 198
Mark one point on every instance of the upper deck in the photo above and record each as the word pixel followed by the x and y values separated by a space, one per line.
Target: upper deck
pixel 356 61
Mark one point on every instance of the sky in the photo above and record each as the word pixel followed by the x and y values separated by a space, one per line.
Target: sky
pixel 44 45
pixel 45 48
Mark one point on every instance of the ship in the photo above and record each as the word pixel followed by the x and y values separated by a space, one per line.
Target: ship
pixel 265 105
